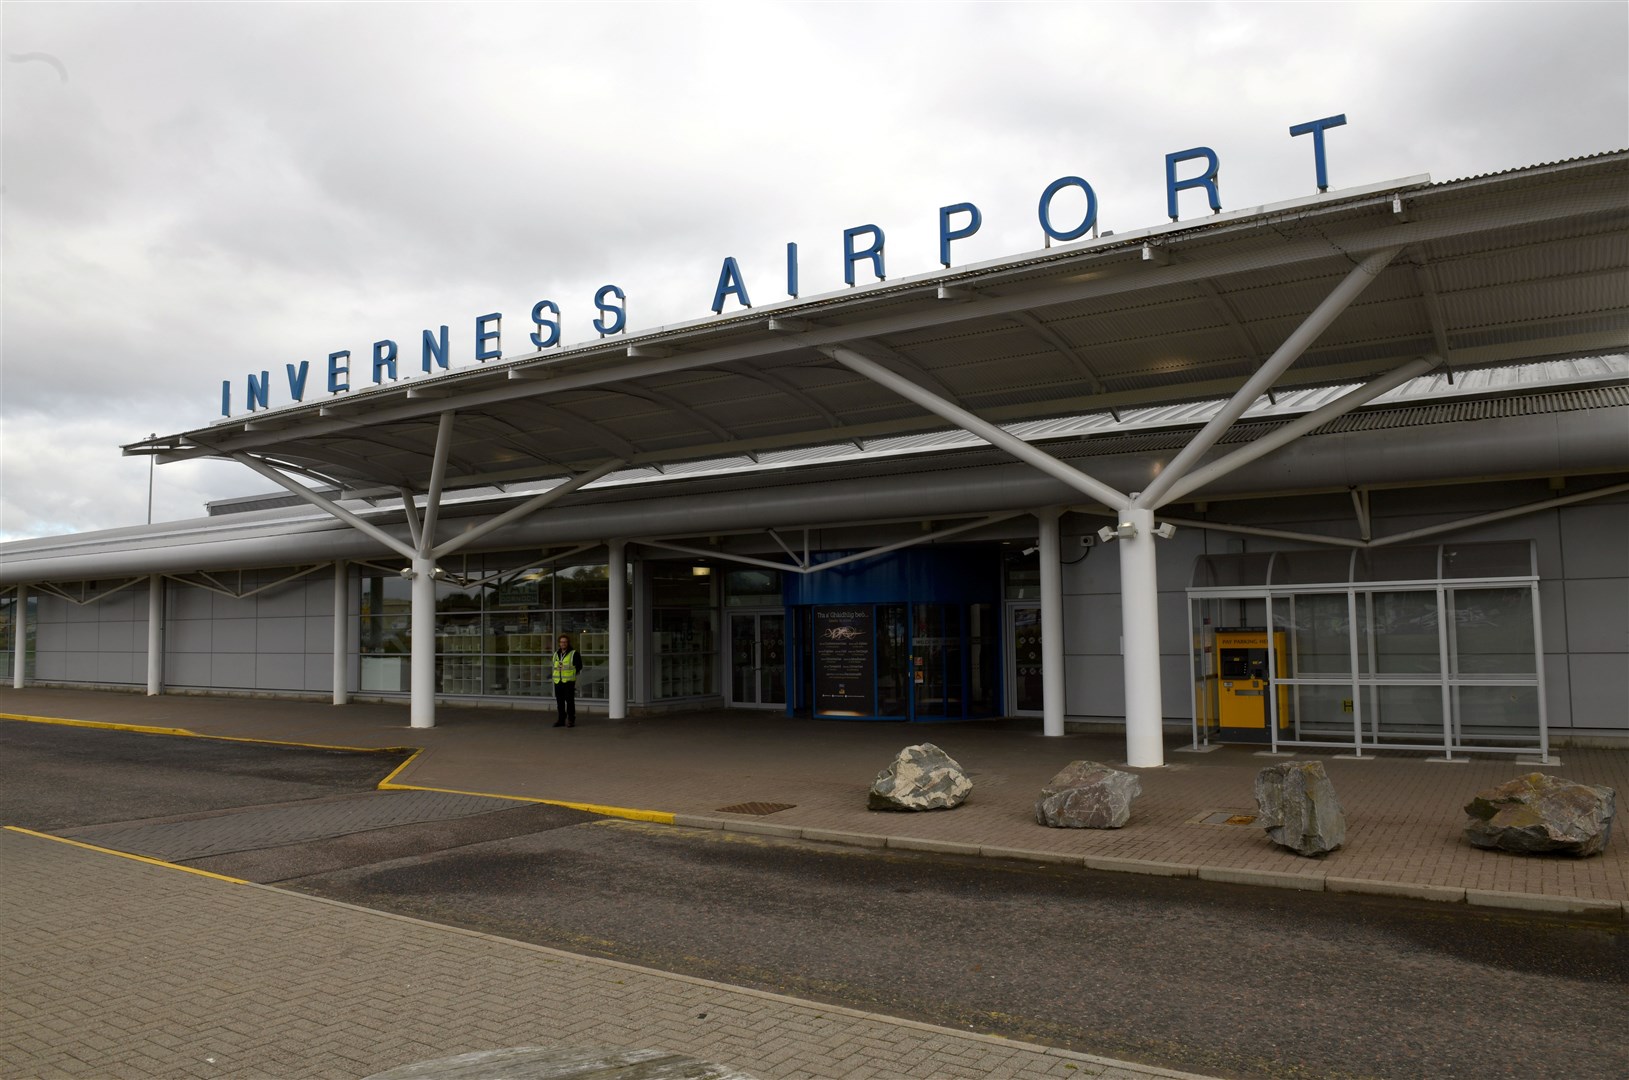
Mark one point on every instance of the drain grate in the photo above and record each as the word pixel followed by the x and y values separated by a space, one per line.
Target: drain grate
pixel 759 809
pixel 1225 817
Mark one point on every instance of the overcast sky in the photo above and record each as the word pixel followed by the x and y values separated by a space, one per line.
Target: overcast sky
pixel 196 191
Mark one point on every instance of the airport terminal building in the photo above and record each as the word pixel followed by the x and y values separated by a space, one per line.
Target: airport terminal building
pixel 1347 472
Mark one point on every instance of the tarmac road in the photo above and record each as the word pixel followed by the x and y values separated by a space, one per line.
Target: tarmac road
pixel 54 776
pixel 1186 974
pixel 1189 974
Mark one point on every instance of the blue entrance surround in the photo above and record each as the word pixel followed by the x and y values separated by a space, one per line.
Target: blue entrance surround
pixel 912 635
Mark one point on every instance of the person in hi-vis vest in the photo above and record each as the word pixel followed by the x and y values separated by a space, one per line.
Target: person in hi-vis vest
pixel 567 663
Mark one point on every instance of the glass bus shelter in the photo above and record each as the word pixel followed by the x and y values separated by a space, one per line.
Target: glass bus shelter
pixel 1362 649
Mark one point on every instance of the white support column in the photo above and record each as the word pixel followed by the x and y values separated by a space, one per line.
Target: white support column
pixel 617 571
pixel 342 623
pixel 155 635
pixel 422 681
pixel 1139 627
pixel 19 637
pixel 1052 679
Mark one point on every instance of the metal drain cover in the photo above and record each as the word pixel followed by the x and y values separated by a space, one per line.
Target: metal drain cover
pixel 760 809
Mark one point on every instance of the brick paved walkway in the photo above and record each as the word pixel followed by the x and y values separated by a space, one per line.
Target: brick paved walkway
pixel 116 968
pixel 1404 813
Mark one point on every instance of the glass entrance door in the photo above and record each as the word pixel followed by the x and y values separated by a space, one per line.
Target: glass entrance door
pixel 758 659
pixel 1024 672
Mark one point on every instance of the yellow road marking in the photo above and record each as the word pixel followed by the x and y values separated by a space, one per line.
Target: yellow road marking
pixel 143 729
pixel 125 855
pixel 660 817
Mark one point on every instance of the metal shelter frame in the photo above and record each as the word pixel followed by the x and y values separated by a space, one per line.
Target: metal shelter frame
pixel 1375 285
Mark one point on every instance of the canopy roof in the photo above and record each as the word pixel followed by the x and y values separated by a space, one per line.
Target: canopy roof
pixel 1523 265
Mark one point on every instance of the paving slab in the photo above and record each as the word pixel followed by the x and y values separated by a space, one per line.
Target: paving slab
pixel 116 967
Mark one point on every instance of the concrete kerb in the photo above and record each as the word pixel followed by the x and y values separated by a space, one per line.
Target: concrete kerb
pixel 1313 881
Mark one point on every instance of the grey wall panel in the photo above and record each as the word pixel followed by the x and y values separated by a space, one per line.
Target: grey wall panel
pixel 1091 625
pixel 187 669
pixel 318 633
pixel 232 607
pixel 80 666
pixel 183 636
pixel 1557 692
pixel 232 671
pixel 285 600
pixel 81 637
pixel 319 592
pixel 49 637
pixel 121 606
pixel 1173 614
pixel 118 667
pixel 1553 614
pixel 1600 693
pixel 51 667
pixel 115 636
pixel 1176 688
pixel 1098 572
pixel 233 636
pixel 280 671
pixel 280 635
pixel 319 673
pixel 1095 686
pixel 1596 540
pixel 80 613
pixel 187 602
pixel 1598 616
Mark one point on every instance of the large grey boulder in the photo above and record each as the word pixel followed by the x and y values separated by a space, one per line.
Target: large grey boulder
pixel 1538 813
pixel 1087 795
pixel 1296 803
pixel 921 777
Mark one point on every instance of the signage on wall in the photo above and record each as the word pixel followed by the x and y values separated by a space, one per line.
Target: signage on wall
pixel 863 245
pixel 844 670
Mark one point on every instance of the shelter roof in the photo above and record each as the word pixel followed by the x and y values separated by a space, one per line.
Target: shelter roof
pixel 1524 265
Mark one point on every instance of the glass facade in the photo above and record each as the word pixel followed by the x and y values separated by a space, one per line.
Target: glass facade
pixel 8 636
pixel 684 630
pixel 496 625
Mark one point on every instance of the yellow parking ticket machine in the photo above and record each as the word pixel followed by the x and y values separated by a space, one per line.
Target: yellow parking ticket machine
pixel 1244 678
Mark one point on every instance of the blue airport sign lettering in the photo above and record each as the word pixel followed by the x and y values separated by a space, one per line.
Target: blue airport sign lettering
pixel 611 302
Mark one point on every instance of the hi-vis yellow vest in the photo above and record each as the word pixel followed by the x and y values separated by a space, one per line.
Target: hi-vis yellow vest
pixel 565 667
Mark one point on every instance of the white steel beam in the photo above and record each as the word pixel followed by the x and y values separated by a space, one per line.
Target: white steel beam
pixel 1053 685
pixel 1196 479
pixel 617 573
pixel 1356 280
pixel 155 634
pixel 415 531
pixel 1140 637
pixel 530 506
pixel 422 662
pixel 990 433
pixel 326 505
pixel 342 624
pixel 19 637
pixel 438 478
pixel 1498 515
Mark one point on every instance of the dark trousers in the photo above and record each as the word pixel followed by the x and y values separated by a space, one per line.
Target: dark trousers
pixel 565 701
